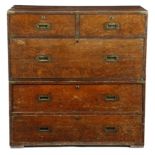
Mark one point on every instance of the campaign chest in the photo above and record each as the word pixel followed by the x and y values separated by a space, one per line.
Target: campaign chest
pixel 77 75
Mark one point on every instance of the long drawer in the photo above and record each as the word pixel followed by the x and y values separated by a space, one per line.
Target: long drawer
pixel 114 98
pixel 76 130
pixel 109 59
pixel 32 25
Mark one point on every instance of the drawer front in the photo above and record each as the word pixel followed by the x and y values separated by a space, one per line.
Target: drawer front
pixel 29 25
pixel 109 59
pixel 77 98
pixel 89 129
pixel 112 25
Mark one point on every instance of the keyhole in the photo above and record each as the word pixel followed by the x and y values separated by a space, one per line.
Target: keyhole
pixel 111 17
pixel 77 41
pixel 43 17
pixel 77 87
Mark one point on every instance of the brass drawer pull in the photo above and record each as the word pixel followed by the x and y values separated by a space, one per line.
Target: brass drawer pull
pixel 44 98
pixel 43 26
pixel 44 129
pixel 110 129
pixel 111 97
pixel 43 58
pixel 111 58
pixel 111 26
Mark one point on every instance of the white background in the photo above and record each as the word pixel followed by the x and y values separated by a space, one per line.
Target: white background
pixel 150 89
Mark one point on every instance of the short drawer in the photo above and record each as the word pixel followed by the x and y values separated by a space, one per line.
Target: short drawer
pixel 76 130
pixel 42 25
pixel 109 59
pixel 111 25
pixel 122 98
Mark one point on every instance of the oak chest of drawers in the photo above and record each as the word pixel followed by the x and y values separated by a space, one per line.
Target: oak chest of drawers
pixel 77 75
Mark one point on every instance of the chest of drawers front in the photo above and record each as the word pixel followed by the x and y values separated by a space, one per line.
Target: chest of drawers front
pixel 77 75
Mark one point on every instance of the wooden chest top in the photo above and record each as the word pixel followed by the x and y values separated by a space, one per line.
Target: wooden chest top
pixel 31 9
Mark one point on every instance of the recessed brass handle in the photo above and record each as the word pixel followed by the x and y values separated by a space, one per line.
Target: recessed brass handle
pixel 111 58
pixel 44 129
pixel 43 26
pixel 44 98
pixel 43 58
pixel 109 97
pixel 110 129
pixel 111 26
